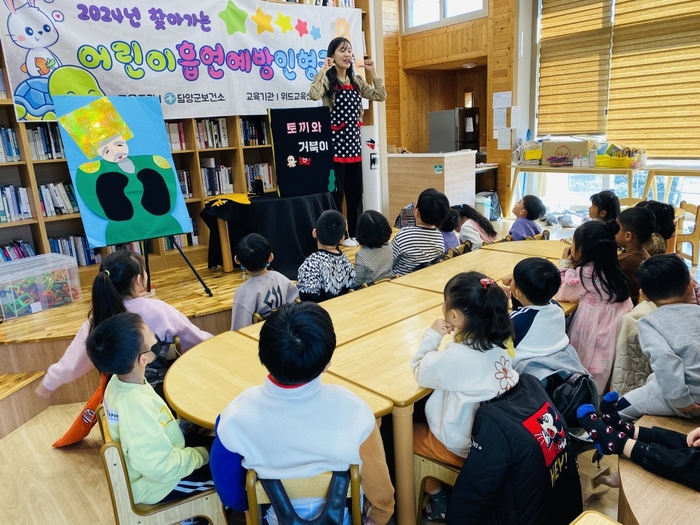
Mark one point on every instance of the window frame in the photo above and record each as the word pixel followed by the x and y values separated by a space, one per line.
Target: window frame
pixel 444 21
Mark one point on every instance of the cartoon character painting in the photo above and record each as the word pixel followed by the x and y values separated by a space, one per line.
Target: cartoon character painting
pixel 135 194
pixel 31 29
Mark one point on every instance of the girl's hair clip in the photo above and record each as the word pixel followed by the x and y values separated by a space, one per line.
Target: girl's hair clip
pixel 485 282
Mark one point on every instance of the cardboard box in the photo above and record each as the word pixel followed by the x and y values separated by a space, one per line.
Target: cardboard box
pixel 36 283
pixel 565 147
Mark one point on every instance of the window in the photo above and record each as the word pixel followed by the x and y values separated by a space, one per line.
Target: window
pixel 426 14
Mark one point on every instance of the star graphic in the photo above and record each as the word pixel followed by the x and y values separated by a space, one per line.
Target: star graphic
pixel 234 18
pixel 263 21
pixel 315 32
pixel 285 22
pixel 301 28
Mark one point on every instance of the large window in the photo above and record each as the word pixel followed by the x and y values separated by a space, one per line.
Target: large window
pixel 426 14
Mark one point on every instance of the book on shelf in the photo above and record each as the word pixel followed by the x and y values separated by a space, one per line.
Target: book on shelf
pixel 3 91
pixel 75 246
pixel 183 240
pixel 262 171
pixel 254 132
pixel 16 249
pixel 134 246
pixel 14 205
pixel 183 177
pixel 9 151
pixel 195 235
pixel 173 136
pixel 211 133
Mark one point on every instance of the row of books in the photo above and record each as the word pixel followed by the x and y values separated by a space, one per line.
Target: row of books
pixel 211 133
pixel 262 171
pixel 183 177
pixel 14 204
pixel 183 239
pixel 77 247
pixel 16 249
pixel 9 150
pixel 254 132
pixel 57 199
pixel 216 180
pixel 176 135
pixel 45 142
pixel 134 246
pixel 3 91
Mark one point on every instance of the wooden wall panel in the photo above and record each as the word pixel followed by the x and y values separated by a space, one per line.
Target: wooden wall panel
pixel 391 27
pixel 465 40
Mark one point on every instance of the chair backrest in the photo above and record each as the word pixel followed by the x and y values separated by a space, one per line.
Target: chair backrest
pixel 314 487
pixel 629 202
pixel 544 236
pixel 693 210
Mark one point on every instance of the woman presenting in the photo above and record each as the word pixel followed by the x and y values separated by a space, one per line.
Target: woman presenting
pixel 342 92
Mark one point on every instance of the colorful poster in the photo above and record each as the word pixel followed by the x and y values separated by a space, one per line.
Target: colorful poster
pixel 120 164
pixel 303 147
pixel 201 59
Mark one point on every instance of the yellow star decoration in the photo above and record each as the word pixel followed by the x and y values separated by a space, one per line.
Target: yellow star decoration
pixel 285 22
pixel 263 21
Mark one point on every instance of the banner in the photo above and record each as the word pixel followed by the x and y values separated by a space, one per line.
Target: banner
pixel 120 164
pixel 201 59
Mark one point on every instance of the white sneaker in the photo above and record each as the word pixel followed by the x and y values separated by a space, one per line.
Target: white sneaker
pixel 350 242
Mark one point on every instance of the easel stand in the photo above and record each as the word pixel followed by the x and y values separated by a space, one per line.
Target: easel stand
pixel 194 271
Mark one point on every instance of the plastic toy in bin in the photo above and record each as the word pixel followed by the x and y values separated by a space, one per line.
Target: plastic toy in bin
pixel 37 283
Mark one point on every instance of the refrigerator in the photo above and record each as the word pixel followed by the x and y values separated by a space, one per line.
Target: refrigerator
pixel 453 129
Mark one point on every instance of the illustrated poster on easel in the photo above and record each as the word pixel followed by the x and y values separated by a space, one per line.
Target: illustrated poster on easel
pixel 122 170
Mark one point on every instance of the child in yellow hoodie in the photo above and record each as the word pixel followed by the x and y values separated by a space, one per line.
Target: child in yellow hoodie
pixel 156 457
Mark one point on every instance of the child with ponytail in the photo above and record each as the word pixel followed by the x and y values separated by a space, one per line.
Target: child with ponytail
pixel 117 289
pixel 591 276
pixel 474 227
pixel 475 367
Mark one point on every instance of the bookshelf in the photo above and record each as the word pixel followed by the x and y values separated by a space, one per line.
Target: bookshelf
pixel 236 156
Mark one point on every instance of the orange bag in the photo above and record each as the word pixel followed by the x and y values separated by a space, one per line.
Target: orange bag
pixel 86 419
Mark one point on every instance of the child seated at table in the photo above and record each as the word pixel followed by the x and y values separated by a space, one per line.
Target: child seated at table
pixel 541 345
pixel 605 206
pixel 636 227
pixel 474 367
pixel 422 244
pixel 663 452
pixel 669 337
pixel 264 289
pixel 294 425
pixel 527 210
pixel 326 273
pixel 665 228
pixel 473 226
pixel 449 235
pixel 160 465
pixel 374 259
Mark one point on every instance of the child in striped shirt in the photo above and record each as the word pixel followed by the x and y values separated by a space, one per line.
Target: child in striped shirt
pixel 422 244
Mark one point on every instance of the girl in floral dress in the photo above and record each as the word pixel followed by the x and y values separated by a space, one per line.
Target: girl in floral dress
pixel 591 276
pixel 343 92
pixel 474 367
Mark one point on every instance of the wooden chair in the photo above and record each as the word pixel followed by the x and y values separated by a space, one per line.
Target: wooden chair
pixel 629 202
pixel 544 236
pixel 459 250
pixel 507 238
pixel 205 504
pixel 315 487
pixel 430 468
pixel 692 237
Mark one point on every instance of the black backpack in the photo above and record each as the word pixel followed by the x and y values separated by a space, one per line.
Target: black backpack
pixel 569 393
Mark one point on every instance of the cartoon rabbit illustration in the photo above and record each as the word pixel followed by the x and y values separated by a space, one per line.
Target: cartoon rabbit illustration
pixel 30 28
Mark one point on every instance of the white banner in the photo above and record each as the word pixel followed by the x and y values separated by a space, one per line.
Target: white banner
pixel 202 59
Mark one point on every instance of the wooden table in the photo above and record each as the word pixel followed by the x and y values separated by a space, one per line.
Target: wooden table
pixel 591 517
pixel 380 362
pixel 364 311
pixel 205 379
pixel 647 499
pixel 569 170
pixel 668 172
pixel 548 249
pixel 495 264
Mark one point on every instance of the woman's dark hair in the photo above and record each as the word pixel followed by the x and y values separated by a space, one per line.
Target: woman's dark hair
pixel 297 342
pixel 253 252
pixel 665 217
pixel 640 221
pixel 608 202
pixel 332 74
pixel 484 306
pixel 114 345
pixel 373 230
pixel 595 242
pixel 113 284
pixel 468 212
pixel 452 221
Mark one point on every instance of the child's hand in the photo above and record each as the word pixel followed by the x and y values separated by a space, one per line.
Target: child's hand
pixel 43 392
pixel 694 438
pixel 690 408
pixel 507 280
pixel 567 253
pixel 506 289
pixel 442 327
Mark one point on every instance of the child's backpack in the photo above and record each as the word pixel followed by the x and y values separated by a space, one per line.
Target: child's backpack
pixel 405 217
pixel 569 393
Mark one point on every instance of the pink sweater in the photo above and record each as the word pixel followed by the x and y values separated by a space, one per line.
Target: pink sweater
pixel 159 316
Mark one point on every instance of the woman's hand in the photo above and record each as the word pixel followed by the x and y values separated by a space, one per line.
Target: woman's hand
pixel 442 327
pixel 327 64
pixel 369 67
